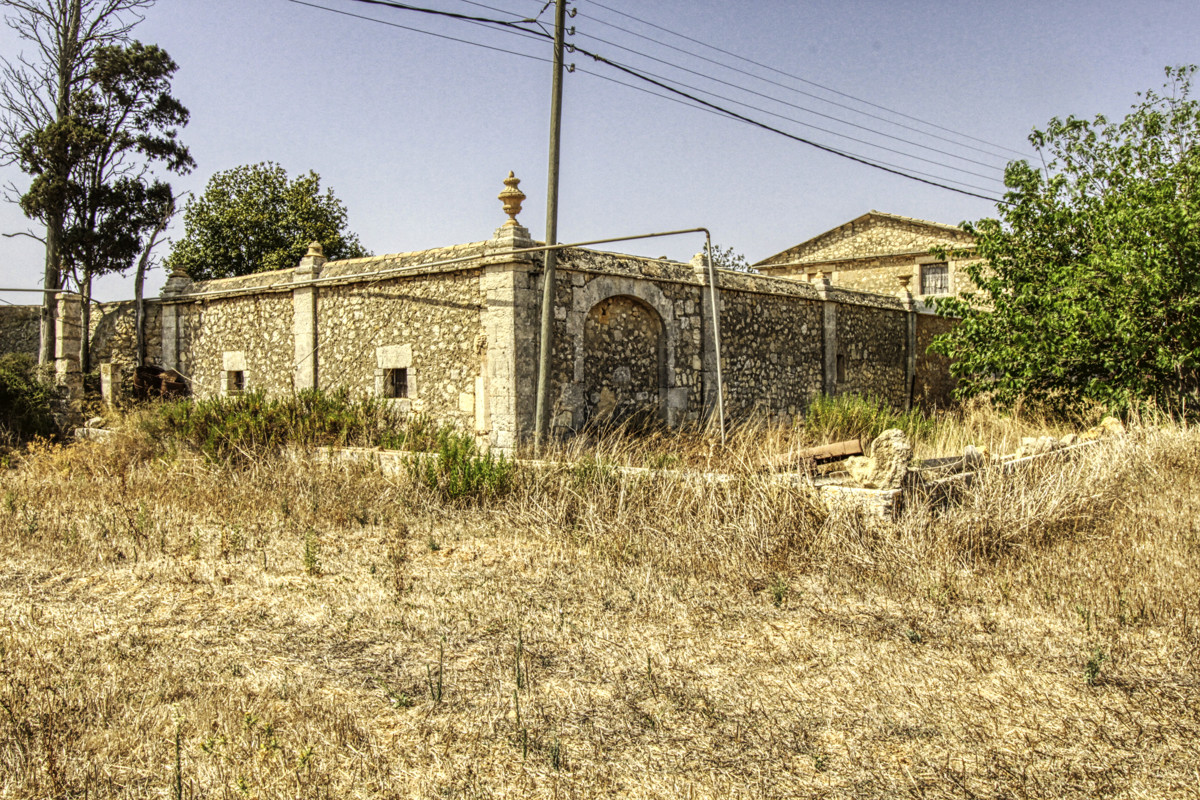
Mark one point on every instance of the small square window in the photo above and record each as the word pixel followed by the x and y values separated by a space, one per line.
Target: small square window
pixel 395 383
pixel 935 279
pixel 235 381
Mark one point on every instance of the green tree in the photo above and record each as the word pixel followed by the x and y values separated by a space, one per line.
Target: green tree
pixel 122 121
pixel 254 219
pixel 1089 280
pixel 728 258
pixel 37 98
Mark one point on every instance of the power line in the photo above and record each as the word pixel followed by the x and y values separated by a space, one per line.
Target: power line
pixel 437 12
pixel 782 85
pixel 723 115
pixel 419 30
pixel 859 159
pixel 493 8
pixel 524 32
pixel 659 83
pixel 808 110
pixel 807 81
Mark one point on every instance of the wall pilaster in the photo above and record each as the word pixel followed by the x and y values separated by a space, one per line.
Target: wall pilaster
pixel 67 332
pixel 304 318
pixel 829 336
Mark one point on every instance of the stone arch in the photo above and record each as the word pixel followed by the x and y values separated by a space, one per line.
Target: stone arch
pixel 585 298
pixel 624 362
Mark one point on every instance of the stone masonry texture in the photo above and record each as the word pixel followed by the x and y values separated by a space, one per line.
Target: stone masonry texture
pixel 633 337
pixel 19 332
pixel 872 253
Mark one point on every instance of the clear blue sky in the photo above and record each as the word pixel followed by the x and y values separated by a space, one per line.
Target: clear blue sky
pixel 415 133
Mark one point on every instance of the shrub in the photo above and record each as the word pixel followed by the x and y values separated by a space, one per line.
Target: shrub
pixel 25 401
pixel 250 425
pixel 847 416
pixel 460 471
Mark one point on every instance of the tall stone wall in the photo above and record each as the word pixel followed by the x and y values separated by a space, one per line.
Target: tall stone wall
pixel 782 342
pixel 668 318
pixel 871 352
pixel 453 334
pixel 19 329
pixel 933 385
pixel 429 325
pixel 114 334
pixel 772 346
pixel 248 333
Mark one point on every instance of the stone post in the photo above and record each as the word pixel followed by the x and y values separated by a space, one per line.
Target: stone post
pixel 110 384
pixel 505 398
pixel 67 331
pixel 829 337
pixel 304 317
pixel 177 284
pixel 910 340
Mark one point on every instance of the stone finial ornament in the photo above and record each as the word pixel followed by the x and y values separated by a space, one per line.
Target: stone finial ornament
pixel 315 249
pixel 905 280
pixel 511 197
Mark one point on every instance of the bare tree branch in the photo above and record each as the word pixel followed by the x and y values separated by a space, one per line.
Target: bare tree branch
pixel 23 233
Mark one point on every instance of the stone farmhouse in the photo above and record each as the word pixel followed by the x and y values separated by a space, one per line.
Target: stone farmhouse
pixel 872 252
pixel 452 332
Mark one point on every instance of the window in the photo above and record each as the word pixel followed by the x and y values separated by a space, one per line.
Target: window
pixel 235 381
pixel 935 279
pixel 395 382
pixel 841 368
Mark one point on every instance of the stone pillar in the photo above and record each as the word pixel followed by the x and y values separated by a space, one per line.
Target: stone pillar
pixel 506 397
pixel 910 340
pixel 67 330
pixel 304 318
pixel 110 384
pixel 829 328
pixel 176 285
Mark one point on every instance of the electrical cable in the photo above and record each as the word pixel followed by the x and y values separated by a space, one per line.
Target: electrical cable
pixel 442 13
pixel 809 82
pixel 493 8
pixel 723 115
pixel 642 77
pixel 785 86
pixel 999 170
pixel 419 30
pixel 749 121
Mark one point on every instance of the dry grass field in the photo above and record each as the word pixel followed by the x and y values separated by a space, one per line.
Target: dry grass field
pixel 179 629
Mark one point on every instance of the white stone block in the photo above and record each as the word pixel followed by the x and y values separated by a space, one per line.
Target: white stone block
pixel 233 361
pixel 393 356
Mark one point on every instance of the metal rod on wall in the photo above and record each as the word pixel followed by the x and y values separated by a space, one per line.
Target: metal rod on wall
pixel 716 323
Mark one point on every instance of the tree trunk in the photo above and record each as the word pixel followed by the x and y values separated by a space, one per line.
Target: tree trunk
pixel 47 350
pixel 52 277
pixel 139 283
pixel 85 325
pixel 139 307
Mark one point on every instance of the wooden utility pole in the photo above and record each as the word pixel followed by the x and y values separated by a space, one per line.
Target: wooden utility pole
pixel 546 340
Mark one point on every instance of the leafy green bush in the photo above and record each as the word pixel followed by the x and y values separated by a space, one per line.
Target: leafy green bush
pixel 25 402
pixel 460 471
pixel 849 416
